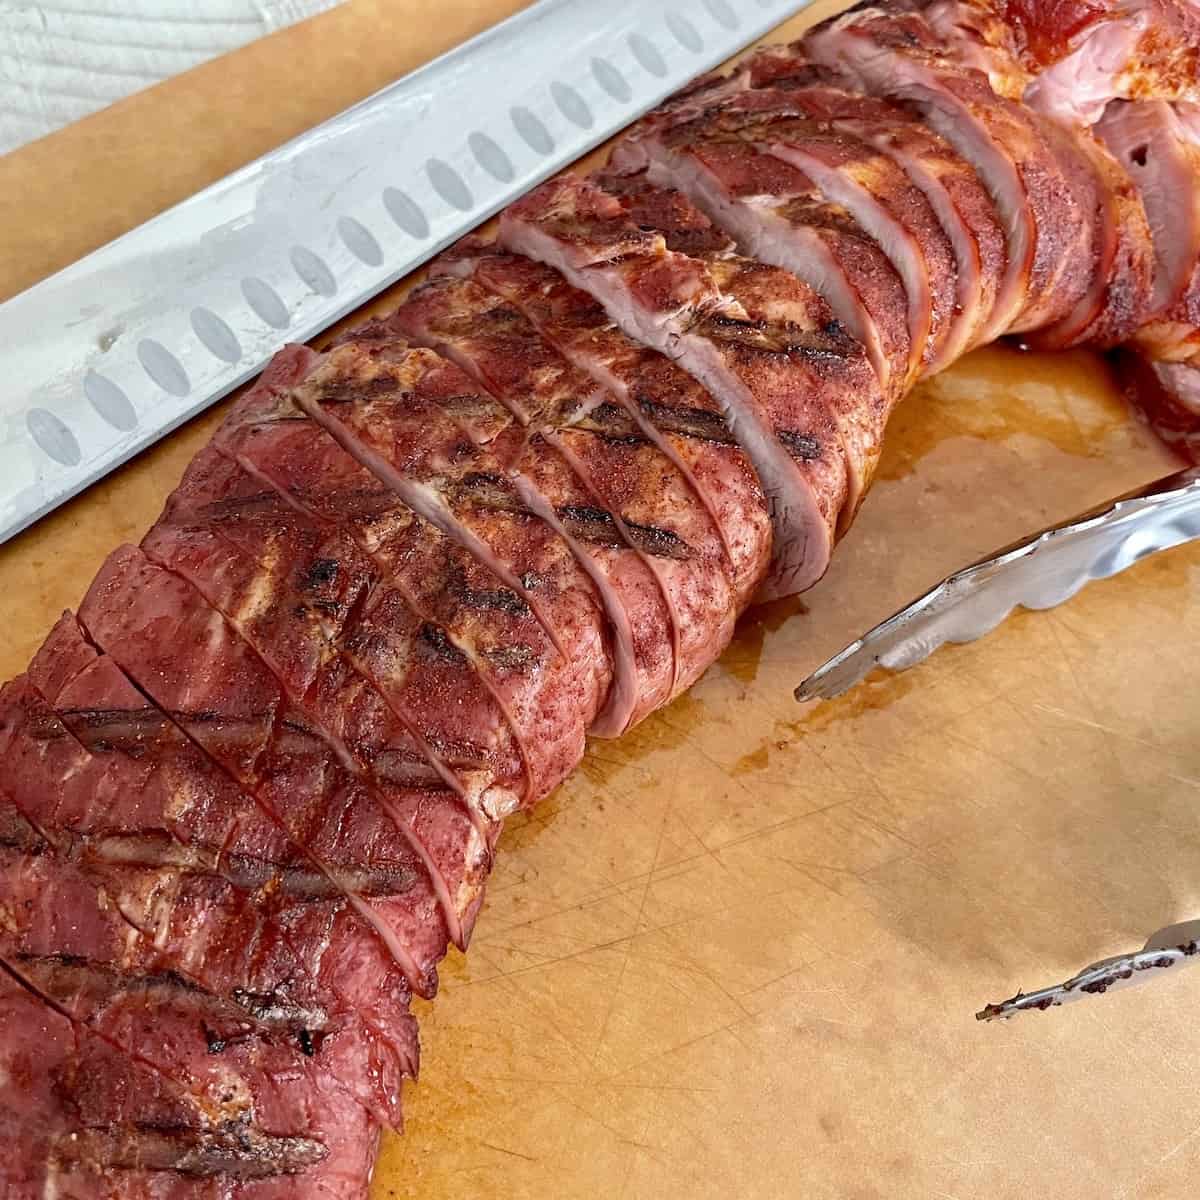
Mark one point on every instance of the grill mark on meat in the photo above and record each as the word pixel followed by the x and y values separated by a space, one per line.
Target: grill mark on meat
pixel 804 446
pixel 621 703
pixel 66 848
pixel 597 525
pixel 546 420
pixel 896 55
pixel 653 421
pixel 353 764
pixel 63 976
pixel 481 820
pixel 873 214
pixel 774 213
pixel 789 349
pixel 399 952
pixel 689 422
pixel 399 352
pixel 334 620
pixel 490 599
pixel 511 658
pixel 251 1151
pixel 424 501
pixel 317 575
pixel 158 850
pixel 895 201
pixel 343 647
pixel 235 1151
pixel 17 831
pixel 339 645
pixel 660 307
pixel 240 1014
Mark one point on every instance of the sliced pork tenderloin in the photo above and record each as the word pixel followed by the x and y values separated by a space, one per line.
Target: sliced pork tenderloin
pixel 670 301
pixel 341 703
pixel 962 205
pixel 109 782
pixel 190 662
pixel 384 424
pixel 1048 238
pixel 794 316
pixel 651 397
pixel 540 646
pixel 777 213
pixel 130 1133
pixel 852 174
pixel 1158 143
pixel 627 480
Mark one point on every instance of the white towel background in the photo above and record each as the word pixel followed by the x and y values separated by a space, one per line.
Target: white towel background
pixel 63 59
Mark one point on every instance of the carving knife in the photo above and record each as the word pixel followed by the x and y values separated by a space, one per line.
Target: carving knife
pixel 121 347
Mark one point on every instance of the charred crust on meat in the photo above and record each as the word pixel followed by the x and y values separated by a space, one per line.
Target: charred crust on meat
pixel 435 640
pixel 319 572
pixel 598 527
pixel 689 422
pixel 510 658
pixel 226 1018
pixel 484 599
pixel 488 491
pixel 803 446
pixel 235 1149
pixel 351 388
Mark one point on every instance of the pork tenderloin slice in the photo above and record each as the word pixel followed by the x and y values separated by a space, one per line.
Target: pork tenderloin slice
pixel 899 56
pixel 951 188
pixel 365 732
pixel 1119 295
pixel 624 485
pixel 380 433
pixel 293 968
pixel 270 614
pixel 104 1069
pixel 1158 149
pixel 222 510
pixel 163 1066
pixel 462 602
pixel 855 176
pixel 348 714
pixel 670 301
pixel 74 1152
pixel 261 933
pixel 653 399
pixel 185 658
pixel 787 315
pixel 777 213
pixel 137 795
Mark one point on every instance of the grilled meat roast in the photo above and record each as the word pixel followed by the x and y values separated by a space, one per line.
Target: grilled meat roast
pixel 253 786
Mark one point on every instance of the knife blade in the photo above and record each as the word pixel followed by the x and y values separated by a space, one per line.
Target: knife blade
pixel 116 350
pixel 1038 572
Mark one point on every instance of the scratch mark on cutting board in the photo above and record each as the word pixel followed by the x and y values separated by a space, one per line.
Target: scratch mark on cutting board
pixel 614 996
pixel 506 1150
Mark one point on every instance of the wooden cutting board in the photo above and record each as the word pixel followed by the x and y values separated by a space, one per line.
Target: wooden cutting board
pixel 738 953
